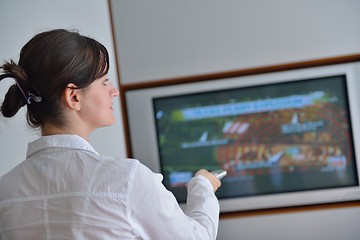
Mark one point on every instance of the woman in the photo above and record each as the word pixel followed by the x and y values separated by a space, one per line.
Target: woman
pixel 64 189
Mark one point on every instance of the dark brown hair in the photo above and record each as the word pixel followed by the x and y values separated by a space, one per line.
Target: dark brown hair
pixel 48 63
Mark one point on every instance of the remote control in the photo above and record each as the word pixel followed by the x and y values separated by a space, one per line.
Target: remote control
pixel 219 173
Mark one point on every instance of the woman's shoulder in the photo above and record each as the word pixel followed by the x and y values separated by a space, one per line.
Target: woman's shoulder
pixel 132 168
pixel 115 165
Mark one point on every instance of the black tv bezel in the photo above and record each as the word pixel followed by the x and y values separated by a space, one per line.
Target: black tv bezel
pixel 283 84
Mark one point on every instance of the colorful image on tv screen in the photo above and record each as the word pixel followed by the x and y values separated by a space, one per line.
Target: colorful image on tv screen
pixel 274 138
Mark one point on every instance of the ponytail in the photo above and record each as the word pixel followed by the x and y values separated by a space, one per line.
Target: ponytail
pixel 18 94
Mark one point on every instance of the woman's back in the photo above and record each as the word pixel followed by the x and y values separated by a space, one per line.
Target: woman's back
pixel 65 190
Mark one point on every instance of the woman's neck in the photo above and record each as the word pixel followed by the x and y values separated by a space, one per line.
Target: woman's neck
pixel 51 129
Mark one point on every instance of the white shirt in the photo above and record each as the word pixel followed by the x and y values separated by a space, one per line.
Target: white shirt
pixel 65 190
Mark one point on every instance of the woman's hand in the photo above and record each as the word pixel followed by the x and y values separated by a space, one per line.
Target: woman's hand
pixel 215 182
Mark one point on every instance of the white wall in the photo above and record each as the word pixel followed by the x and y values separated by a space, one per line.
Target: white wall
pixel 21 20
pixel 161 39
pixel 336 224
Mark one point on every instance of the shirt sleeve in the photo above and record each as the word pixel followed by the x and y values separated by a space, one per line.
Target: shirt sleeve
pixel 154 213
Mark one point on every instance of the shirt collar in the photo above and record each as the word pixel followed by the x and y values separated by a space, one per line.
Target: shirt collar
pixel 59 140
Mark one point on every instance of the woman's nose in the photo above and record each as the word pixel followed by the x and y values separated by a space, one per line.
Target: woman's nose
pixel 115 91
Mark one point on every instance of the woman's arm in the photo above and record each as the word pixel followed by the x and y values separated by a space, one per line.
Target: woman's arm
pixel 155 214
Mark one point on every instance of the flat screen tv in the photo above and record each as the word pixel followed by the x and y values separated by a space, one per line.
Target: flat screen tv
pixel 286 138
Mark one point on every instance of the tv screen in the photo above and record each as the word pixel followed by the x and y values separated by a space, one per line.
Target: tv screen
pixel 271 138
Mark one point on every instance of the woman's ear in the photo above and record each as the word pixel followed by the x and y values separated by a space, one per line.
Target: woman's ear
pixel 72 97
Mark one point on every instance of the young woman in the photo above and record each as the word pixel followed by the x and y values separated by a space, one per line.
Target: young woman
pixel 64 189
